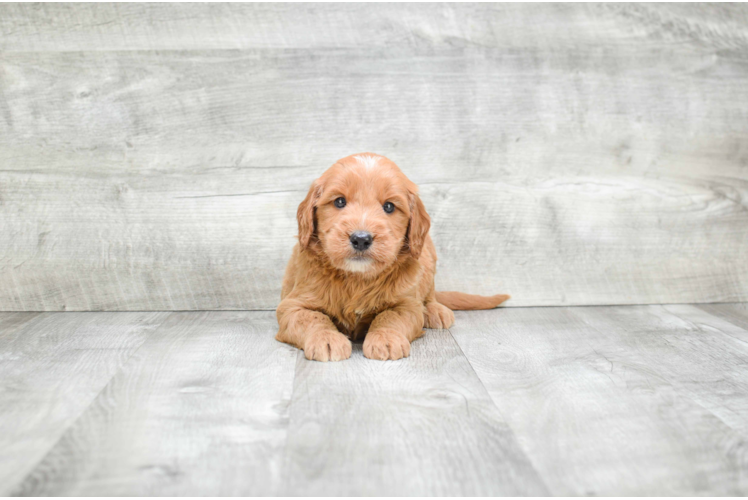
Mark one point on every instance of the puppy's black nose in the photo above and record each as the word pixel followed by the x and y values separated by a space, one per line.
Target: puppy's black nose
pixel 361 240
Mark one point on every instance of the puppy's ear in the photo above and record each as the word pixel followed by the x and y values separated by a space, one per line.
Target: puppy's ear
pixel 305 214
pixel 419 225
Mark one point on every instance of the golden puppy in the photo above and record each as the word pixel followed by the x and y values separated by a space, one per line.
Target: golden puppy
pixel 364 266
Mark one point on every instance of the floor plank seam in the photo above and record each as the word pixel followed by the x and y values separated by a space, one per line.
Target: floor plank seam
pixel 528 457
pixel 685 394
pixel 22 324
pixel 285 458
pixel 690 397
pixel 671 374
pixel 726 320
pixel 16 489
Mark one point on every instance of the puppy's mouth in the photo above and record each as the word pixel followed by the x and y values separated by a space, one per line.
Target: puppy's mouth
pixel 358 263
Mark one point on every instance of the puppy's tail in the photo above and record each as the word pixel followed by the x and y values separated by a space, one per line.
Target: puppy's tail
pixel 458 301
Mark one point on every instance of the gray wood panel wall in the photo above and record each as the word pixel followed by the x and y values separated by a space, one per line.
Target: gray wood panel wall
pixel 152 156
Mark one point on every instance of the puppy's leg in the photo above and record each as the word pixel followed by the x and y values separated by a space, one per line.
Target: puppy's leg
pixel 392 331
pixel 437 315
pixel 312 331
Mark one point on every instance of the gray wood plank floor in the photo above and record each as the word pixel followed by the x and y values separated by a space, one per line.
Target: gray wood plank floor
pixel 625 400
pixel 52 366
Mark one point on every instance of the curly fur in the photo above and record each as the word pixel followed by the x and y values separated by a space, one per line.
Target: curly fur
pixel 332 294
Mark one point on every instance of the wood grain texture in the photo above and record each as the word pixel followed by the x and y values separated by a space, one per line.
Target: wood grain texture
pixel 616 401
pixel 66 27
pixel 152 156
pixel 734 313
pixel 704 357
pixel 200 409
pixel 11 322
pixel 419 426
pixel 637 400
pixel 51 367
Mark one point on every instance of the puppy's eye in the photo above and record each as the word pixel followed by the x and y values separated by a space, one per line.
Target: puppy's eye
pixel 340 202
pixel 389 207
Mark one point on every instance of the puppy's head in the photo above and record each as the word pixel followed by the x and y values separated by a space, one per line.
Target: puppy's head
pixel 363 213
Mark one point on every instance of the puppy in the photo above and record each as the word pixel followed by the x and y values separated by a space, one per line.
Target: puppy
pixel 364 266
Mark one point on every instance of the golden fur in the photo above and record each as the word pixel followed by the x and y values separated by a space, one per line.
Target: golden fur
pixel 332 294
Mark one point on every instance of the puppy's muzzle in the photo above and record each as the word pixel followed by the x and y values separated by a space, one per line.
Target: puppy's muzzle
pixel 361 240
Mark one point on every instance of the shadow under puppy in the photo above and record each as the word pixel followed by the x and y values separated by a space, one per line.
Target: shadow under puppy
pixel 364 266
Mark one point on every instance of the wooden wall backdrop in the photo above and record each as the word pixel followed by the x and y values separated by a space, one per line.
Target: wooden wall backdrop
pixel 152 156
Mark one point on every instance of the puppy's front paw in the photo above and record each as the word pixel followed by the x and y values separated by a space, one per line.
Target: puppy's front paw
pixel 327 345
pixel 386 344
pixel 438 316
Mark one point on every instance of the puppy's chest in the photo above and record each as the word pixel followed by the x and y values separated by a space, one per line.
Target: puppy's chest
pixel 353 305
pixel 354 314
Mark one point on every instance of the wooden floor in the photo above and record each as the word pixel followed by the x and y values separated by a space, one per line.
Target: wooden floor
pixel 623 400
